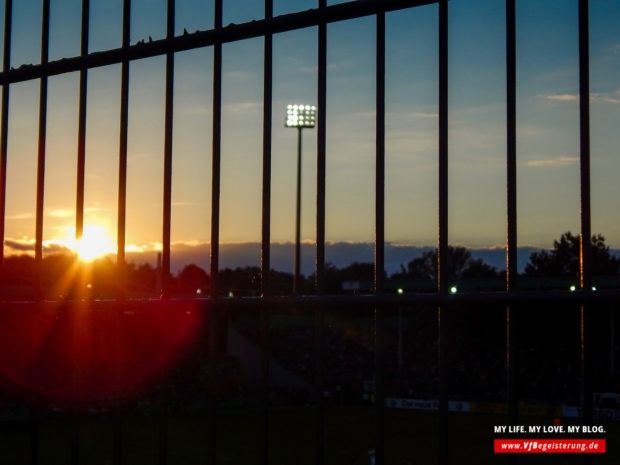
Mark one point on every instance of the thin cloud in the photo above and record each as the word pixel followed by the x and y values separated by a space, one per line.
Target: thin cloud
pixel 561 97
pixel 20 216
pixel 558 161
pixel 190 243
pixel 421 115
pixel 61 213
pixel 607 99
pixel 594 97
pixel 69 213
pixel 243 106
pixel 27 245
pixel 19 245
pixel 54 246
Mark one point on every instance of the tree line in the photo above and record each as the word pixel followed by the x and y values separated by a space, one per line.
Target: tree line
pixel 58 272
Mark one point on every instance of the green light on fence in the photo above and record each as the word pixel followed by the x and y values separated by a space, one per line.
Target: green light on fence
pixel 453 290
pixel 572 288
pixel 400 291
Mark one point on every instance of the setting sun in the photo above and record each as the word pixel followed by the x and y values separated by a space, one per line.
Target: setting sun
pixel 94 243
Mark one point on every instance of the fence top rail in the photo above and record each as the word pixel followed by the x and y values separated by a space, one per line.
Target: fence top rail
pixel 188 41
pixel 577 297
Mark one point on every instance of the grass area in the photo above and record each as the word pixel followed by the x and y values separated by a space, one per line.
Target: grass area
pixel 411 438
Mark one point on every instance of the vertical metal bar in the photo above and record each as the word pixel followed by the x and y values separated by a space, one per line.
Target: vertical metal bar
pixel 81 161
pixel 612 341
pixel 215 230
pixel 266 235
pixel 168 157
pixel 442 252
pixel 79 207
pixel 167 213
pixel 73 310
pixel 4 123
pixel 216 153
pixel 267 117
pixel 379 386
pixel 511 215
pixel 380 157
pixel 264 370
pixel 319 331
pixel 163 425
pixel 321 146
pixel 297 259
pixel 585 261
pixel 212 335
pixel 121 222
pixel 442 255
pixel 511 147
pixel 400 343
pixel 38 247
pixel 122 157
pixel 320 239
pixel 34 432
pixel 117 440
pixel 380 241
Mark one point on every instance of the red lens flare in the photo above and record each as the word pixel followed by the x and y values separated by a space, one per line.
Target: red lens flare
pixel 83 352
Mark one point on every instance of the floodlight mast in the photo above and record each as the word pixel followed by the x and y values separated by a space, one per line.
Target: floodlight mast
pixel 299 116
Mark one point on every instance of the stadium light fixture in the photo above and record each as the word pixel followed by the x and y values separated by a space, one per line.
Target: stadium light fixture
pixel 299 116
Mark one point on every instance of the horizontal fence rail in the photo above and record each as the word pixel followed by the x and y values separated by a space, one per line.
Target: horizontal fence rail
pixel 225 34
pixel 577 297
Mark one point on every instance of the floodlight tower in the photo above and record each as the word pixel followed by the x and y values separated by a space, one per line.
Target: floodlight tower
pixel 299 116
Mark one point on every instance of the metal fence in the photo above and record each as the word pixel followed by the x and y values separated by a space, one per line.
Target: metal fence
pixel 319 17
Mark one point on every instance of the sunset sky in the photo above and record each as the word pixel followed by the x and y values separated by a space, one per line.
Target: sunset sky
pixel 547 125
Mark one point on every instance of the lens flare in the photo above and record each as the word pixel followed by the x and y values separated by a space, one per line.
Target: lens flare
pixel 84 352
pixel 94 243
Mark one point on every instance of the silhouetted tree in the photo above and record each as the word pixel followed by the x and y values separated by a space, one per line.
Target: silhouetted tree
pixel 363 273
pixel 563 258
pixel 192 277
pixel 143 278
pixel 459 262
pixel 104 278
pixel 357 272
pixel 245 280
pixel 477 268
pixel 281 283
pixel 18 270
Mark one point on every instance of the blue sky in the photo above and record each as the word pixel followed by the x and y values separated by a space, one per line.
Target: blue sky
pixel 547 114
